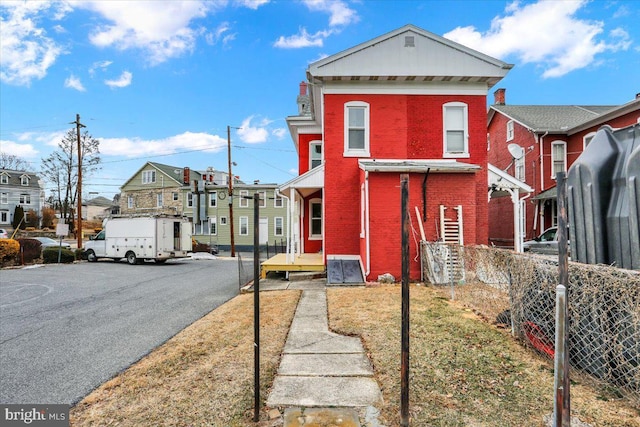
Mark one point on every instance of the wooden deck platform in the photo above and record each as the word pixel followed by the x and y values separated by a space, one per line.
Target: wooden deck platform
pixel 302 262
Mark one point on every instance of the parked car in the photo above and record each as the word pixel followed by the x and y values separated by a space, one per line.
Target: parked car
pixel 48 242
pixel 546 243
pixel 3 233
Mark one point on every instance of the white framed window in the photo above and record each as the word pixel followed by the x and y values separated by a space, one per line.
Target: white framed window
pixel 263 199
pixel 244 225
pixel 25 199
pixel 213 225
pixel 175 196
pixel 510 130
pixel 189 197
pixel 278 226
pixel 558 157
pixel 159 200
pixel 315 219
pixel 456 129
pixel 4 178
pixel 148 177
pixel 244 201
pixel 587 139
pixel 4 217
pixel 24 180
pixel 315 154
pixel 356 129
pixel 278 201
pixel 519 169
pixel 213 199
pixel 223 220
pixel 4 198
pixel 130 202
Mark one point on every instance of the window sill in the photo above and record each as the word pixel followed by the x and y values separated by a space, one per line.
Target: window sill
pixel 456 155
pixel 315 237
pixel 356 153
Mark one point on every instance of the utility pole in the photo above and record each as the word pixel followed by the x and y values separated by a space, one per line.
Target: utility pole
pixel 233 245
pixel 79 186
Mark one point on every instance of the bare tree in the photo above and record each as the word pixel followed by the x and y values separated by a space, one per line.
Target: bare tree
pixel 61 170
pixel 13 162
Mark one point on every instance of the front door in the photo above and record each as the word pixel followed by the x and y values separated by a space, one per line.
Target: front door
pixel 264 231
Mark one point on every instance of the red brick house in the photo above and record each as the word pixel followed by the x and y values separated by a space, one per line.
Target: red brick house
pixel 407 102
pixel 550 138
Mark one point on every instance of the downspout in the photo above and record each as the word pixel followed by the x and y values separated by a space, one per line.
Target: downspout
pixel 366 219
pixel 541 209
pixel 523 219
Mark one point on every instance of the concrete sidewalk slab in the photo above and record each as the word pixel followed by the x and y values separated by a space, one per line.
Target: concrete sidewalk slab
pixel 313 391
pixel 324 342
pixel 331 364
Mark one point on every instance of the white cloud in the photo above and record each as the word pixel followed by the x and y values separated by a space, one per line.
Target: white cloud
pixel 26 53
pixel 340 13
pixel 303 39
pixel 279 133
pixel 220 34
pixel 252 4
pixel 187 141
pixel 253 134
pixel 21 150
pixel 100 65
pixel 123 81
pixel 73 82
pixel 546 33
pixel 165 32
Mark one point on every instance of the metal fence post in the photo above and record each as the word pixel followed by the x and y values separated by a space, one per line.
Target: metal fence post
pixel 563 279
pixel 256 304
pixel 559 365
pixel 404 364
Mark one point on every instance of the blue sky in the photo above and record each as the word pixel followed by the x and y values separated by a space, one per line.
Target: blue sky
pixel 161 80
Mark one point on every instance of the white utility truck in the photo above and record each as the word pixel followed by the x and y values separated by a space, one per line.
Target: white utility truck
pixel 157 238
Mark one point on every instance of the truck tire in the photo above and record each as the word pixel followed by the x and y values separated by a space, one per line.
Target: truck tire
pixel 91 256
pixel 131 258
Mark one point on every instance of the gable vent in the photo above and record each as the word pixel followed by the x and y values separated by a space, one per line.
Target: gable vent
pixel 409 41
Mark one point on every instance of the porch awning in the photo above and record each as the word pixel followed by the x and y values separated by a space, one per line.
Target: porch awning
pixel 501 183
pixel 417 166
pixel 307 183
pixel 551 193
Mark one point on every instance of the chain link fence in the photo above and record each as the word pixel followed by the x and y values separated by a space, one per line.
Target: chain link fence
pixel 518 291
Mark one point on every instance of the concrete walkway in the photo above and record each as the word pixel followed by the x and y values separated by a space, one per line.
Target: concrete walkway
pixel 320 368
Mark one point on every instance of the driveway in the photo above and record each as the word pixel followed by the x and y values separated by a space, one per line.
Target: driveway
pixel 65 329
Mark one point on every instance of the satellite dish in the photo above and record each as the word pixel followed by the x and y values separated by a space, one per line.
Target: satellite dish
pixel 516 151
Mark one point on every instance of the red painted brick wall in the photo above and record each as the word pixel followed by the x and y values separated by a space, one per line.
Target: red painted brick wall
pixel 303 151
pixel 385 218
pixel 392 137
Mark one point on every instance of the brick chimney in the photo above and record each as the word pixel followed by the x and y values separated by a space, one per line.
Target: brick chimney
pixel 500 96
pixel 304 103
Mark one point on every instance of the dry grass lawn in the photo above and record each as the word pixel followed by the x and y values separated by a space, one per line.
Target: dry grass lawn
pixel 201 377
pixel 464 372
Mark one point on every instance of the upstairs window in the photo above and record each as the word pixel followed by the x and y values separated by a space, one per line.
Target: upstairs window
pixel 148 177
pixel 189 200
pixel 4 198
pixel 263 199
pixel 510 130
pixel 315 154
pixel 558 157
pixel 24 180
pixel 456 133
pixel 4 178
pixel 25 199
pixel 244 199
pixel 519 169
pixel 356 129
pixel 213 199
pixel 277 201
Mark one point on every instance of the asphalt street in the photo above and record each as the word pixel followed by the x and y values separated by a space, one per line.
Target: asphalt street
pixel 65 329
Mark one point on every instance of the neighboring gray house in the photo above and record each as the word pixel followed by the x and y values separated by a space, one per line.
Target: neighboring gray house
pixel 19 188
pixel 99 208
